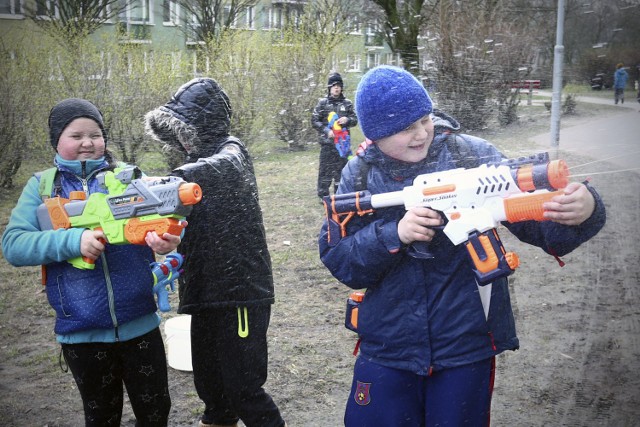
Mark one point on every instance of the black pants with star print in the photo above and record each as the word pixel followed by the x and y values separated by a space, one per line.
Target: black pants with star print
pixel 101 369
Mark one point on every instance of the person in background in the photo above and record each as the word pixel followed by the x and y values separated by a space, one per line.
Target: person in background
pixel 620 78
pixel 227 286
pixel 106 318
pixel 429 333
pixel 331 162
pixel 637 83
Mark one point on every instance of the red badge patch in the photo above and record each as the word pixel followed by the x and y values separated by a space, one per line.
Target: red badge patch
pixel 362 396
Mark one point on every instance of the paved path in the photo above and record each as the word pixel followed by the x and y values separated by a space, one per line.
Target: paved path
pixel 614 139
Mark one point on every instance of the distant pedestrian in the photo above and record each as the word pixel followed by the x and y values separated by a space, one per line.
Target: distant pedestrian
pixel 619 83
pixel 637 86
pixel 331 160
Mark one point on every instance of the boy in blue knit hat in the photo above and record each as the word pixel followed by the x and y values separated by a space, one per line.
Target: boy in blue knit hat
pixel 429 333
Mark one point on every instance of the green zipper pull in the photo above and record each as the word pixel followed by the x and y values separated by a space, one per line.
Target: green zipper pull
pixel 243 331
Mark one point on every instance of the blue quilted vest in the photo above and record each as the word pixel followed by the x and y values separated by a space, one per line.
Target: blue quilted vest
pixel 118 290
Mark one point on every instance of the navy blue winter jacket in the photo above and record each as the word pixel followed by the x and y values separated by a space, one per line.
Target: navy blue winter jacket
pixel 423 315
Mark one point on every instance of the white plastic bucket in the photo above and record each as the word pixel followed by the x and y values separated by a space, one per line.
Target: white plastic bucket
pixel 178 339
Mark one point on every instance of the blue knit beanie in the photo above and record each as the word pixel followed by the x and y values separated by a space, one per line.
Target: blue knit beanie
pixel 389 99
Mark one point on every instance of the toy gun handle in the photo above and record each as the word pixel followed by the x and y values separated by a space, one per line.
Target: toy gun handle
pixel 84 263
pixel 164 276
pixel 490 260
pixel 486 250
pixel 340 208
pixel 351 314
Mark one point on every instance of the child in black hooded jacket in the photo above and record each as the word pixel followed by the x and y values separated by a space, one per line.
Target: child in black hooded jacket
pixel 227 286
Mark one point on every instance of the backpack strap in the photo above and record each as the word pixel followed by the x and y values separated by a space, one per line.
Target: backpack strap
pixel 49 182
pixel 360 182
pixel 461 151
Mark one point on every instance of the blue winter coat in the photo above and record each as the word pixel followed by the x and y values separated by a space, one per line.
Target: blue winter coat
pixel 422 315
pixel 117 292
pixel 620 78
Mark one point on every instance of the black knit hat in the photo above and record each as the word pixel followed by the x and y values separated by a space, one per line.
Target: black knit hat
pixel 67 111
pixel 335 79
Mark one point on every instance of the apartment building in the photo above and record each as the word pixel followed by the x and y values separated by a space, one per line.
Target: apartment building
pixel 165 25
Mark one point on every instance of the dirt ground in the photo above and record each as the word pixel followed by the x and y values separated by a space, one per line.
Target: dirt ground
pixel 579 325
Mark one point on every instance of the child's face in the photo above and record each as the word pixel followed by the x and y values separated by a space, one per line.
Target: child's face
pixel 409 145
pixel 81 140
pixel 335 91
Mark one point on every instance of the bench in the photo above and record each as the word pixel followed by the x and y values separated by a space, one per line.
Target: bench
pixel 529 85
pixel 525 84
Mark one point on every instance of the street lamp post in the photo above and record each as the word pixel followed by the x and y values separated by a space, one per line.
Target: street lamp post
pixel 558 58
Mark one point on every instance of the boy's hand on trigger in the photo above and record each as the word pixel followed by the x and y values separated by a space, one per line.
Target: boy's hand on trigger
pixel 162 245
pixel 572 208
pixel 92 243
pixel 417 225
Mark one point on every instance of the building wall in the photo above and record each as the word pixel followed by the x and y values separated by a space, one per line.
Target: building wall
pixel 153 28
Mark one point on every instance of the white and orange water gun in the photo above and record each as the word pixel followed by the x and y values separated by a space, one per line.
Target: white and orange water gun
pixel 472 201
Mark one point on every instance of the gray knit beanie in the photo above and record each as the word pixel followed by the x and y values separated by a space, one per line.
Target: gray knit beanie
pixel 67 111
pixel 389 99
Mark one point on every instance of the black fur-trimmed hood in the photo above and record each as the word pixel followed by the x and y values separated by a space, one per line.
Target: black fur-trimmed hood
pixel 197 117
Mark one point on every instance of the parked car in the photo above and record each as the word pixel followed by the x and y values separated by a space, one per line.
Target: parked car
pixel 601 81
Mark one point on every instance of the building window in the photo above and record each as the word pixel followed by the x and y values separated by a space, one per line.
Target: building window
pixel 134 21
pixel 193 31
pixel 353 63
pixel 225 17
pixel 45 8
pixel 354 25
pixel 139 12
pixel 275 15
pixel 170 12
pixel 201 64
pixel 373 60
pixel 373 35
pixel 393 59
pixel 250 19
pixel 105 72
pixel 10 7
pixel 266 18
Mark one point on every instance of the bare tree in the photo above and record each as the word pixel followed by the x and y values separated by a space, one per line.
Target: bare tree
pixel 301 60
pixel 70 20
pixel 207 20
pixel 23 111
pixel 478 48
pixel 403 22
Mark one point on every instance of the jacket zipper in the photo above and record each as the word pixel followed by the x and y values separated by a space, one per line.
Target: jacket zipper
pixel 84 180
pixel 112 305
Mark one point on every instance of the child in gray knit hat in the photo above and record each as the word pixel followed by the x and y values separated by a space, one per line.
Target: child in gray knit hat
pixel 106 320
pixel 428 332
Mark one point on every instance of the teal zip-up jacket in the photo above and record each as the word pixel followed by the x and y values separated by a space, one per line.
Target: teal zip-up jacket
pixel 113 302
